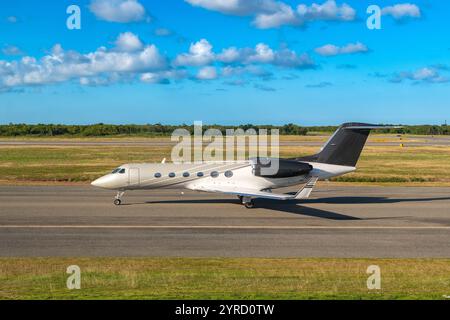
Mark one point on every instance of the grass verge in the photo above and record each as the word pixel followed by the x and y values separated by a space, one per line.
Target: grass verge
pixel 68 164
pixel 224 278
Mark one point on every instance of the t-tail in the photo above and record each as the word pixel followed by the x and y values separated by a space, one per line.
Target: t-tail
pixel 345 145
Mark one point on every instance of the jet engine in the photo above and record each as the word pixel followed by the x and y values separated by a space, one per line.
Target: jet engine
pixel 262 167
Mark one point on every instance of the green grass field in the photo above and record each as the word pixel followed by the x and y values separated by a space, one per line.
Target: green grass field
pixel 186 278
pixel 428 165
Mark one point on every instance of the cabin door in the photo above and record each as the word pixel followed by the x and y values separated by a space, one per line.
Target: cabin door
pixel 133 176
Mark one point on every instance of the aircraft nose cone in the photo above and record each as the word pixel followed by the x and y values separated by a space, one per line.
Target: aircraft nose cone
pixel 96 183
pixel 103 182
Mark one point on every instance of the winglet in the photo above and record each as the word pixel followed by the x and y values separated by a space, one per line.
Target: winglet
pixel 305 192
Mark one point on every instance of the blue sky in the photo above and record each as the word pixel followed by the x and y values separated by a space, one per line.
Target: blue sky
pixel 227 62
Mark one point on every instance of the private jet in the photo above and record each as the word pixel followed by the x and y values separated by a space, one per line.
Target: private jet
pixel 247 179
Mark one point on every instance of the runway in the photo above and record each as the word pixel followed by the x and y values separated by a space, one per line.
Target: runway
pixel 378 222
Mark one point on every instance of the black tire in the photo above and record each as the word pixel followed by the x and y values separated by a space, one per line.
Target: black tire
pixel 249 205
pixel 117 202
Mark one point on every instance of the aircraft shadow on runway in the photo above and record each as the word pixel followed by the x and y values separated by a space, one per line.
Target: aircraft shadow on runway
pixel 296 207
pixel 291 207
pixel 369 200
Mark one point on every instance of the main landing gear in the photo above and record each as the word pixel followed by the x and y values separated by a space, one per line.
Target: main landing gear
pixel 247 202
pixel 118 198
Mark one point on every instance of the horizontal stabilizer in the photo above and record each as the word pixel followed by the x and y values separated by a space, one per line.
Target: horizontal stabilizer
pixel 305 192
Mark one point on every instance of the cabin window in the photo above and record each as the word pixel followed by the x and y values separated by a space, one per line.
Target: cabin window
pixel 172 175
pixel 158 175
pixel 214 174
pixel 200 174
pixel 122 171
pixel 186 174
pixel 228 174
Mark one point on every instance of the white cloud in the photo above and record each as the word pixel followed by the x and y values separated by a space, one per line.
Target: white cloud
pixel 128 41
pixel 200 54
pixel 207 73
pixel 424 75
pixel 131 60
pixel 332 50
pixel 263 54
pixel 273 14
pixel 289 59
pixel 400 11
pixel 285 15
pixel 229 55
pixel 236 7
pixel 61 65
pixel 122 11
pixel 329 10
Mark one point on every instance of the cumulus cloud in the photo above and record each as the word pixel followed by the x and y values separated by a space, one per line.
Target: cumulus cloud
pixel 129 59
pixel 401 11
pixel 263 54
pixel 423 75
pixel 207 73
pixel 273 14
pixel 283 15
pixel 122 11
pixel 200 54
pixel 94 67
pixel 236 7
pixel 128 41
pixel 329 50
pixel 328 11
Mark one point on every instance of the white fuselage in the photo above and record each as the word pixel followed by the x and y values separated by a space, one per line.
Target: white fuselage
pixel 240 174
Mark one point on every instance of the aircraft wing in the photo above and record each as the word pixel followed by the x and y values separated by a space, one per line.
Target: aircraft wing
pixel 254 193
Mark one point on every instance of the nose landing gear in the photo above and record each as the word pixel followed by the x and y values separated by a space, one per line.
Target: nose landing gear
pixel 118 198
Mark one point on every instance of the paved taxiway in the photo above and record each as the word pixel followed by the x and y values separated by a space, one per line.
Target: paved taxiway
pixel 336 222
pixel 415 141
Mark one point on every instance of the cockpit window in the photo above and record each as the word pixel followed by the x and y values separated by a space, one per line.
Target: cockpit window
pixel 115 170
pixel 118 170
pixel 122 171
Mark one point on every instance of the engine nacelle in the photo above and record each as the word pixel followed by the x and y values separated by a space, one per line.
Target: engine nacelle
pixel 262 167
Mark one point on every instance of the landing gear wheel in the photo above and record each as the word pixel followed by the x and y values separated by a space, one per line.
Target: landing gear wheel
pixel 117 199
pixel 249 205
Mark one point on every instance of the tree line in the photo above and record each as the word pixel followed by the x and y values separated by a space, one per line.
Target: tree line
pixel 102 130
